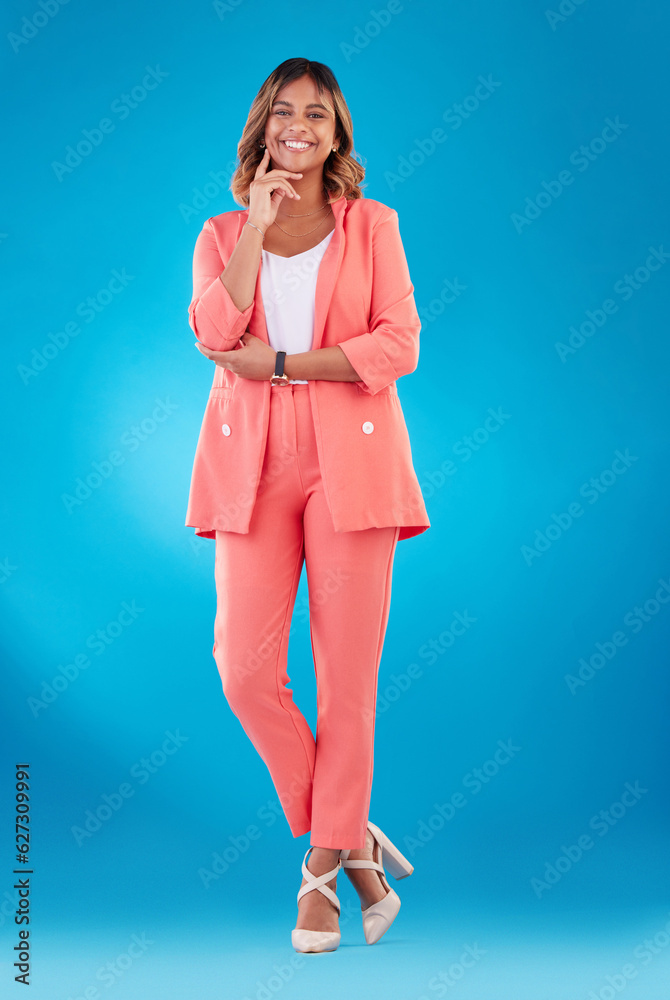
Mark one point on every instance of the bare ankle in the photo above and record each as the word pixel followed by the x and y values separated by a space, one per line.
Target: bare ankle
pixel 323 858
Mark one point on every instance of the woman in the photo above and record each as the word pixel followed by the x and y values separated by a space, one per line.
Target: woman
pixel 304 303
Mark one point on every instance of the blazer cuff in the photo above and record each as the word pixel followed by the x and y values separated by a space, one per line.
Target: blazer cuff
pixel 217 312
pixel 369 362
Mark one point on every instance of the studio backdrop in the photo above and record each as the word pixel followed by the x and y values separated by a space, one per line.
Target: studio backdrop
pixel 521 743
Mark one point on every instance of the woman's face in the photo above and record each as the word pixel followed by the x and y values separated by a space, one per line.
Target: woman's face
pixel 298 113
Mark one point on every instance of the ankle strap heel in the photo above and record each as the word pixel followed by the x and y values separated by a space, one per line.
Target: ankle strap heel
pixel 378 917
pixel 304 940
pixel 395 862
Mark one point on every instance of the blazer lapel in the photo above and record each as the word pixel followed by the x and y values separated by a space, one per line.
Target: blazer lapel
pixel 328 271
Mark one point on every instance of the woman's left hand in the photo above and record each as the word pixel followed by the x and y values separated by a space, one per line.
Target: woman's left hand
pixel 253 359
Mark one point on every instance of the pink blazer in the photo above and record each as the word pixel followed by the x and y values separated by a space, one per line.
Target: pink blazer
pixel 365 303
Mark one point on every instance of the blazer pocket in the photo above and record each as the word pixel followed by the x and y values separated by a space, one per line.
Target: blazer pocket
pixel 221 392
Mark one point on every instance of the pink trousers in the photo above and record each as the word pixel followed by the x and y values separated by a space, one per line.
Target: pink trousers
pixel 324 784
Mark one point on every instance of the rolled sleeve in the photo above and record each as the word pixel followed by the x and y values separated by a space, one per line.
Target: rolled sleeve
pixel 390 347
pixel 213 316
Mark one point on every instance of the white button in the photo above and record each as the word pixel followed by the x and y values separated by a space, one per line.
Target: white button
pixel 368 427
pixel 226 429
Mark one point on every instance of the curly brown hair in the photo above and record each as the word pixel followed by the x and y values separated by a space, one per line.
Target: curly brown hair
pixel 342 173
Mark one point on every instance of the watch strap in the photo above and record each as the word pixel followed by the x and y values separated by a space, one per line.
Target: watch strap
pixel 279 377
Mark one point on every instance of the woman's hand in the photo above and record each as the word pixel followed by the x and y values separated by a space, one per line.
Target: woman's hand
pixel 253 359
pixel 267 191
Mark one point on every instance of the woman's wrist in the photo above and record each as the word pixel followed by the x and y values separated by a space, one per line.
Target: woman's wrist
pixel 254 225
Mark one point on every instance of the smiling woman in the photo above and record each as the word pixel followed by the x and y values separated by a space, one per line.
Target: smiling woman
pixel 296 465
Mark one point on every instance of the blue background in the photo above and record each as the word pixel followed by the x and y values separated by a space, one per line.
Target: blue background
pixel 136 205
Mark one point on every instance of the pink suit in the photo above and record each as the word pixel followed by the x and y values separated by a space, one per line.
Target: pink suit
pixel 320 472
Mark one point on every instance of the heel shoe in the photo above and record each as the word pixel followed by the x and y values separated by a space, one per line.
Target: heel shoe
pixel 304 940
pixel 378 917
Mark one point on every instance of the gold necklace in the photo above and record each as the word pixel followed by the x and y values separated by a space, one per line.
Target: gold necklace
pixel 304 216
pixel 298 235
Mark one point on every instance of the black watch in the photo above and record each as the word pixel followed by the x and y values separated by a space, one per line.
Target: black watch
pixel 279 378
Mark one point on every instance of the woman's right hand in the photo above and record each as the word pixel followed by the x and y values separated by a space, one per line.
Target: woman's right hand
pixel 266 192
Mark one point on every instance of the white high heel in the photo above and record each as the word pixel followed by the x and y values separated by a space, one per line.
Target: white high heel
pixel 378 917
pixel 304 940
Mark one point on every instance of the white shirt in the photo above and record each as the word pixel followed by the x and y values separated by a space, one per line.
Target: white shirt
pixel 288 289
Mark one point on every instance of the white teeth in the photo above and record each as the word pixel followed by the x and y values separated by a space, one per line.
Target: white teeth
pixel 296 145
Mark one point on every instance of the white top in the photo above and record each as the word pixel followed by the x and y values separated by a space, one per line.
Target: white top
pixel 288 288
